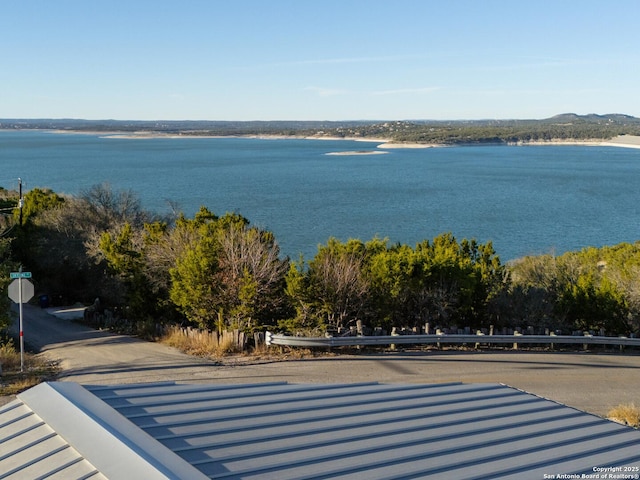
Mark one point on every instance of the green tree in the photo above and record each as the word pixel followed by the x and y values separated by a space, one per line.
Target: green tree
pixel 123 252
pixel 589 289
pixel 60 240
pixel 227 266
pixel 298 294
pixel 7 265
pixel 192 284
pixel 338 283
pixel 394 275
pixel 593 305
pixel 36 201
pixel 333 290
pixel 456 280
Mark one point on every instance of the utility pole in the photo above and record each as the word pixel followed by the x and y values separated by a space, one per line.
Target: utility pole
pixel 20 202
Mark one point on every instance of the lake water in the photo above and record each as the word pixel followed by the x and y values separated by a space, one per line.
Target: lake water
pixel 526 200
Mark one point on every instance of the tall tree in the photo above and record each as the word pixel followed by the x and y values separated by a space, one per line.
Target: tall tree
pixel 333 290
pixel 63 244
pixel 227 267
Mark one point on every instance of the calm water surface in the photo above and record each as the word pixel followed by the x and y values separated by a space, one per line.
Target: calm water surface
pixel 526 200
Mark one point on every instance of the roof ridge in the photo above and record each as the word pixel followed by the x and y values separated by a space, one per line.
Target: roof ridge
pixel 105 438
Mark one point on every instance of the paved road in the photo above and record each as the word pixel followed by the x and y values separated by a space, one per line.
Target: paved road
pixel 593 382
pixel 100 357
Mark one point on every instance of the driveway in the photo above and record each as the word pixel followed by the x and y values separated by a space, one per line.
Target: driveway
pixel 590 381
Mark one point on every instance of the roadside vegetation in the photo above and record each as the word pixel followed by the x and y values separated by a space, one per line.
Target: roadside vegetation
pixel 203 345
pixel 627 414
pixel 12 379
pixel 221 273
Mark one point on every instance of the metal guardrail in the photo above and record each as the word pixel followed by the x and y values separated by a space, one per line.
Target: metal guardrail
pixel 328 342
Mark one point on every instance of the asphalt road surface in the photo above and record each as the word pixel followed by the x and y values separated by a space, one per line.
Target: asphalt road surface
pixel 590 381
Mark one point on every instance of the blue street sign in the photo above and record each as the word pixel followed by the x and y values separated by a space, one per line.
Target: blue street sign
pixel 20 274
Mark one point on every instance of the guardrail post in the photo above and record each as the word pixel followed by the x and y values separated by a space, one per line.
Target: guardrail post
pixel 394 333
pixel 516 334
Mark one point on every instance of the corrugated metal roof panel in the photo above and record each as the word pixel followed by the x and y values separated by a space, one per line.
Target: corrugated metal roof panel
pixel 281 431
pixel 32 449
pixel 371 431
pixel 109 441
pixel 331 402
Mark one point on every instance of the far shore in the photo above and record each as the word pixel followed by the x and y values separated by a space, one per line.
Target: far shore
pixel 625 141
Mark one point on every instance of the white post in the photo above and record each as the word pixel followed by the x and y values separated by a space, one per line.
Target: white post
pixel 21 331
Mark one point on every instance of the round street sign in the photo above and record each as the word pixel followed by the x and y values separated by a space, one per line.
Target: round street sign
pixel 27 290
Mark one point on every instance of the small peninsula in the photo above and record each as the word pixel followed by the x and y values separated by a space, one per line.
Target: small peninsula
pixel 357 152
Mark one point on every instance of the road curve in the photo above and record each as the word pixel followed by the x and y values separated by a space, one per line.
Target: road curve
pixel 100 357
pixel 590 381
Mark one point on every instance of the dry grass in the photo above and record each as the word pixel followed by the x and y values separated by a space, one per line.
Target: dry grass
pixel 201 347
pixel 291 353
pixel 627 414
pixel 9 357
pixel 36 370
pixel 225 348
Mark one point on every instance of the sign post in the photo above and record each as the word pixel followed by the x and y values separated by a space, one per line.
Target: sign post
pixel 21 291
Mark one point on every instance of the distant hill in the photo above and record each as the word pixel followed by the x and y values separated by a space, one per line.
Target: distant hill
pixel 611 118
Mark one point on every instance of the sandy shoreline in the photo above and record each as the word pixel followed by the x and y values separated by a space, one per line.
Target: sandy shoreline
pixel 625 141
pixel 357 152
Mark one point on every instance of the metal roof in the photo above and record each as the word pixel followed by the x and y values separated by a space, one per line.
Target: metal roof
pixel 313 431
pixel 29 448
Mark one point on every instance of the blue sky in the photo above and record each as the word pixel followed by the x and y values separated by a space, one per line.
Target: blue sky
pixel 318 60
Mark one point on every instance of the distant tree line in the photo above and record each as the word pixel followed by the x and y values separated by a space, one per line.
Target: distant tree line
pixel 221 272
pixel 563 127
pixel 560 127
